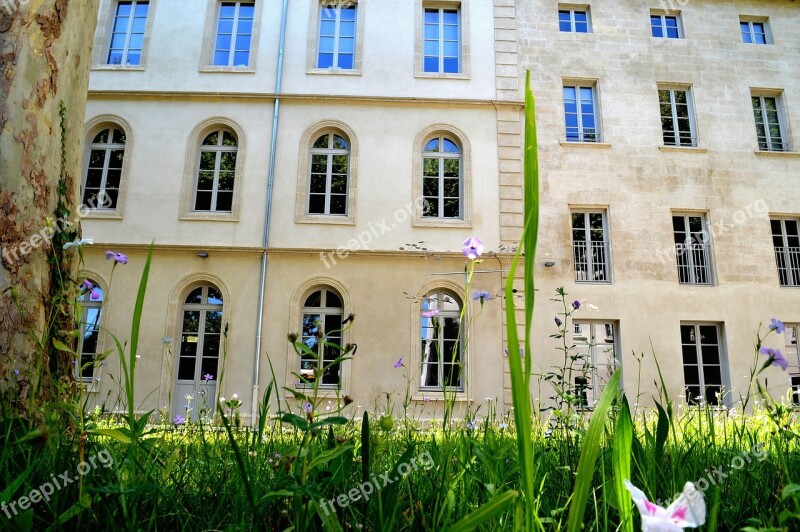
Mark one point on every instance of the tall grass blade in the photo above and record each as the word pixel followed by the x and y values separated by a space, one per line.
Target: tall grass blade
pixel 621 463
pixel 492 509
pixel 590 449
pixel 135 324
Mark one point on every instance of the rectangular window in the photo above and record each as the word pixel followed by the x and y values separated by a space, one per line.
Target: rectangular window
pixel 677 117
pixel 234 34
pixel 337 36
pixel 442 41
pixel 127 36
pixel 796 390
pixel 754 31
pixel 666 26
pixel 590 247
pixel 597 358
pixel 769 129
pixel 786 240
pixel 790 348
pixel 574 20
pixel 580 113
pixel 692 249
pixel 703 364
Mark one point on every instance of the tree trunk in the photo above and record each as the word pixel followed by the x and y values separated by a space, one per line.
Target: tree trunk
pixel 45 54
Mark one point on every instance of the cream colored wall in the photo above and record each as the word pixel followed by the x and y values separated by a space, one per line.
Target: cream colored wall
pixel 641 185
pixel 175 47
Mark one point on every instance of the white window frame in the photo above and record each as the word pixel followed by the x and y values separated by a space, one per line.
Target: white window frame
pixel 218 150
pixel 107 148
pixel 459 314
pixel 784 139
pixel 234 33
pixel 590 330
pixel 582 135
pixel 337 22
pixel 128 32
pixel 690 249
pixel 106 19
pixel 441 156
pixel 441 40
pixel 323 311
pixel 790 256
pixel 750 21
pixel 463 9
pixel 676 132
pixel 724 365
pixel 88 304
pixel 591 274
pixel 664 15
pixel 329 153
pixel 571 9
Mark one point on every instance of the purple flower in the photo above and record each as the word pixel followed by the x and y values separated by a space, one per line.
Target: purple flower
pixel 307 407
pixel 576 304
pixel 430 313
pixel 481 296
pixel 558 321
pixel 94 294
pixel 399 363
pixel 777 325
pixel 87 284
pixel 776 357
pixel 425 399
pixel 473 247
pixel 16 373
pixel 208 377
pixel 179 420
pixel 118 257
pixel 471 425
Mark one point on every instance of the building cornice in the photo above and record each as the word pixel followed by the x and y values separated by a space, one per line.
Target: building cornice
pixel 300 98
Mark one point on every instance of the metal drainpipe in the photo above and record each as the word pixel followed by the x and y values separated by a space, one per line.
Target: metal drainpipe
pixel 268 212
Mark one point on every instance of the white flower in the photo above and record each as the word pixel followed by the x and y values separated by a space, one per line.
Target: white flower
pixel 167 340
pixel 221 399
pixel 488 399
pixel 189 397
pixel 78 243
pixel 235 396
pixel 688 510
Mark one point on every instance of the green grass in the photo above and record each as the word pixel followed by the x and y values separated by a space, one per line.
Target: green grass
pixel 187 478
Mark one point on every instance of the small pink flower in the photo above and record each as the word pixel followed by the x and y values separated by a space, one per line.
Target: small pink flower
pixel 399 363
pixel 430 313
pixel 688 510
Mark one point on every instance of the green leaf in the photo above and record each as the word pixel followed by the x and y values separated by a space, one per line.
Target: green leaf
pixel 61 346
pixel 365 447
pixel 135 324
pixel 7 493
pixel 297 421
pixel 335 420
pixel 117 434
pixel 590 449
pixel 491 510
pixel 621 464
pixel 327 456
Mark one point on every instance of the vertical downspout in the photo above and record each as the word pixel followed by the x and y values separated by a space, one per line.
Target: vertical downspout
pixel 268 213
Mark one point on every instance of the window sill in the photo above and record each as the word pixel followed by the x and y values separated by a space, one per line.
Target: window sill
pixel 439 397
pixel 566 144
pixel 686 149
pixel 103 215
pixel 440 75
pixel 322 393
pixel 441 222
pixel 765 153
pixel 227 70
pixel 325 219
pixel 132 68
pixel 333 71
pixel 659 40
pixel 208 217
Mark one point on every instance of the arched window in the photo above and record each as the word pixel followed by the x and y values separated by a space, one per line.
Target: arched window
pixel 329 174
pixel 441 354
pixel 201 330
pixel 216 172
pixel 322 315
pixel 91 302
pixel 104 168
pixel 442 186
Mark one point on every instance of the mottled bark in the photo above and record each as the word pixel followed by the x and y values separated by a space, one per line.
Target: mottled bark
pixel 45 54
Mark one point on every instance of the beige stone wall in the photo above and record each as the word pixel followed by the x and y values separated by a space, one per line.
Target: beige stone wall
pixel 640 184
